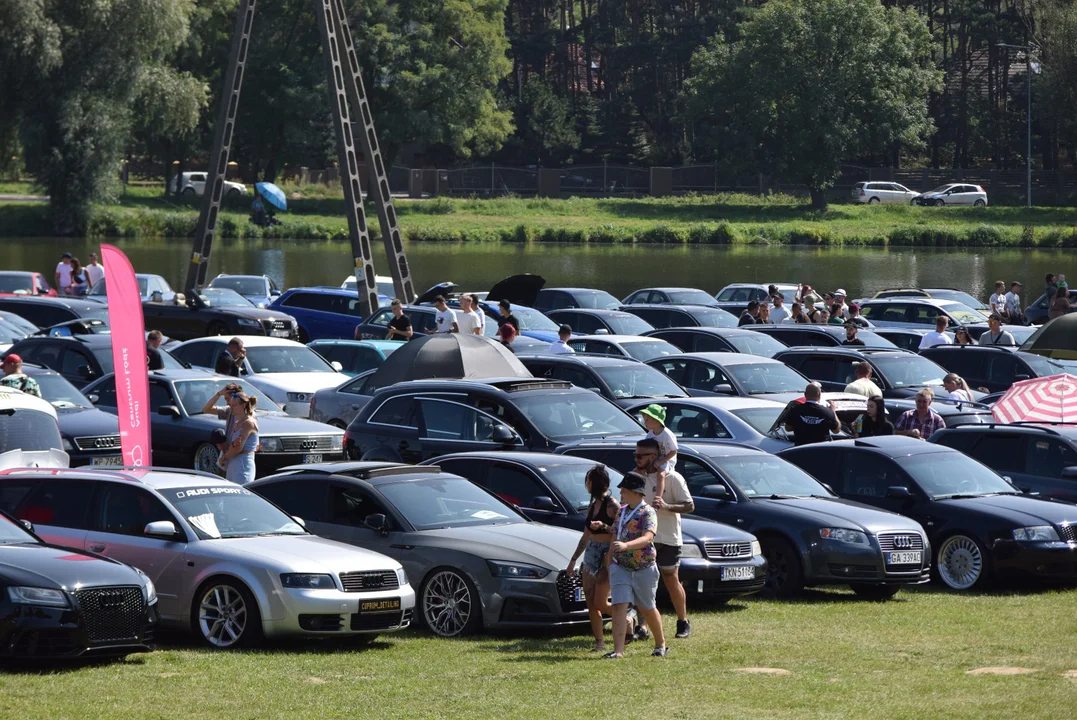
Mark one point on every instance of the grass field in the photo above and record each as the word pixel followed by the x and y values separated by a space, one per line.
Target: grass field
pixel 907 658
pixel 720 219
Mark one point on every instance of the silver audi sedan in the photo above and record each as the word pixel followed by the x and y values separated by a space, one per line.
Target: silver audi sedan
pixel 227 564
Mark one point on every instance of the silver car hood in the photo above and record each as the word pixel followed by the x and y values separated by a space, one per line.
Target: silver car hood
pixel 535 543
pixel 294 553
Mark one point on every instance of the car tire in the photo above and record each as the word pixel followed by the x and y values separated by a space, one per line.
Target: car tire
pixel 205 459
pixel 875 592
pixel 338 424
pixel 216 328
pixel 961 563
pixel 225 615
pixel 979 203
pixel 233 193
pixel 873 201
pixel 187 191
pixel 785 578
pixel 939 203
pixel 449 605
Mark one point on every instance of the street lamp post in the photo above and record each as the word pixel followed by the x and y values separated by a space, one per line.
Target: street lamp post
pixel 1028 118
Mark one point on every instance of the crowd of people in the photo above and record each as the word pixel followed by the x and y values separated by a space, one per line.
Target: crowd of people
pixel 75 279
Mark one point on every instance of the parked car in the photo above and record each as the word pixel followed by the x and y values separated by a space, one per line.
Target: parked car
pixel 532 322
pixel 80 359
pixel 602 321
pixel 217 312
pixel 734 298
pixel 60 603
pixel 9 335
pixel 628 346
pixel 77 327
pixel 889 193
pixel 953 194
pixel 24 326
pixel 417 420
pixel 710 373
pixel 569 298
pixel 29 433
pixel 922 312
pixel 149 286
pixel 355 356
pixel 422 317
pixel 339 405
pixel 670 296
pixel 324 312
pixel 384 283
pixel 24 282
pixel 979 525
pixel 1037 311
pixel 478 563
pixel 1038 459
pixel 907 339
pixel 48 311
pixel 717 561
pixel 228 565
pixel 666 316
pixel 619 380
pixel 194 184
pixel 937 293
pixel 722 340
pixel 797 335
pixel 288 372
pixel 808 535
pixel 90 436
pixel 259 289
pixel 990 368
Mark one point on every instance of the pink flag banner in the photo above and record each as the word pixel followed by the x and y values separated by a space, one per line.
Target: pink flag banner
pixel 128 356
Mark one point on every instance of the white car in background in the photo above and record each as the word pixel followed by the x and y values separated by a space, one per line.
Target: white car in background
pixel 954 194
pixel 194 183
pixel 384 283
pixel 887 193
pixel 29 433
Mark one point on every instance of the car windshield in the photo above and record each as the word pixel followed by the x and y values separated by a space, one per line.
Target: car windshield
pixel 223 297
pixel 567 416
pixel 765 475
pixel 689 297
pixel 29 430
pixel 12 532
pixel 628 324
pixel 284 359
pixel 9 334
pixel 58 391
pixel 217 512
pixel 963 314
pixel 531 319
pixel 939 189
pixel 569 479
pixel 649 349
pixel 871 339
pixel 764 378
pixel 94 313
pixel 100 289
pixel 946 474
pixel 906 369
pixel 757 344
pixel 714 317
pixel 598 299
pixel 638 381
pixel 761 419
pixel 20 322
pixel 1021 333
pixel 17 283
pixel 1044 367
pixel 446 503
pixel 241 285
pixel 958 296
pixel 194 394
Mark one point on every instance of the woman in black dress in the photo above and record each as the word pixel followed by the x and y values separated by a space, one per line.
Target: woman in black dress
pixel 873 422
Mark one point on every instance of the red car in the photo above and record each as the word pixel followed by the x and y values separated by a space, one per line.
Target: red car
pixel 22 282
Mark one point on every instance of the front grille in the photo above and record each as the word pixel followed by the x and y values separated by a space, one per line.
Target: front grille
pixel 101 442
pixel 111 614
pixel 1069 533
pixel 381 621
pixel 890 542
pixel 311 443
pixel 727 551
pixel 566 592
pixel 369 581
pixel 853 571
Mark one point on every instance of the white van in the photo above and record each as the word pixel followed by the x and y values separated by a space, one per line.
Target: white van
pixel 29 433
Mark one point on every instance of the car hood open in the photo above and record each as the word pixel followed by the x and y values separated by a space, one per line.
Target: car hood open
pixel 522 289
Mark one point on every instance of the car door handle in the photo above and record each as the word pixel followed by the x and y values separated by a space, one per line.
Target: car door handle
pixel 97 548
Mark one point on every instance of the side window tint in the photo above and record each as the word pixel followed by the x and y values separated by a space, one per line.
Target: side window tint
pixel 709 343
pixel 351 506
pixel 159 396
pixel 452 421
pixel 687 422
pixel 1002 453
pixel 514 485
pixel 73 360
pixel 127 510
pixel 106 393
pixel 682 340
pixel 1048 458
pixel 382 318
pixel 696 474
pixel 303 498
pixel 60 503
pixel 13 493
pixel 396 411
pixel 866 475
pixel 819 368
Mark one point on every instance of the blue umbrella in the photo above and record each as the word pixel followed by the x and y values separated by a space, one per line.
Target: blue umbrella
pixel 273 194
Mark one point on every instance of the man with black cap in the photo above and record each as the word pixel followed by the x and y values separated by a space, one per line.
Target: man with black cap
pixel 560 346
pixel 751 315
pixel 633 565
pixel 63 274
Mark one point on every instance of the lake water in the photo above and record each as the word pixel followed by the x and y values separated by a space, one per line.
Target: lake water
pixel 618 269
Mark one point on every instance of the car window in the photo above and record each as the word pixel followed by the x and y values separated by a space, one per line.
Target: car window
pixel 1001 367
pixel 469 468
pixel 969 365
pixel 309 301
pixel 637 380
pixel 12 493
pixel 381 318
pixel 689 422
pixel 562 416
pixel 126 509
pixel 681 339
pixel 365 359
pixel 199 354
pixel 1048 458
pixel 579 322
pixel 768 378
pixel 595 347
pixel 106 393
pixel 351 505
pixel 657 318
pixel 47 354
pixel 704 376
pixel 1002 452
pixel 921 314
pixel 286 359
pixel 445 420
pixel 514 485
pixel 425 322
pixel 334 352
pixel 751 343
pixel 304 498
pixel 59 503
pixel 820 368
pixel 697 475
pixel 865 474
pixel 160 396
pixel 72 361
pixel 398 411
pixel 576 376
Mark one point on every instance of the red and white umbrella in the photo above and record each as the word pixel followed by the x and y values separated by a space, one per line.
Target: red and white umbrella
pixel 1046 399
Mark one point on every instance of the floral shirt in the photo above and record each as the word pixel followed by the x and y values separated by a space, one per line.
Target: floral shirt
pixel 911 421
pixel 22 382
pixel 637 521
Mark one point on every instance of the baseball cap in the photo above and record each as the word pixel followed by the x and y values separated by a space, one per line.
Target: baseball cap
pixel 1017 282
pixel 632 481
pixel 655 411
pixel 65 255
pixel 12 358
pixel 839 291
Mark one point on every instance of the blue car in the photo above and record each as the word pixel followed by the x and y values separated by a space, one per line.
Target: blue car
pixel 259 289
pixel 322 312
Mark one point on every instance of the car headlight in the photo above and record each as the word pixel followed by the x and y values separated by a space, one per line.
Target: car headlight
pixel 261 305
pixel 690 550
pixel 248 322
pixel 37 596
pixel 68 447
pixel 299 397
pixel 853 537
pixel 336 442
pixel 308 581
pixel 402 577
pixel 757 549
pixel 1039 533
pixel 516 570
pixel 148 588
pixel 270 444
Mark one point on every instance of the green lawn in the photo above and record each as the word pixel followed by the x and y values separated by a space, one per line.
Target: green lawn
pixel 907 658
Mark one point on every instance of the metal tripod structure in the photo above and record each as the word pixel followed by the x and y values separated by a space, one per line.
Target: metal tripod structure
pixel 346 93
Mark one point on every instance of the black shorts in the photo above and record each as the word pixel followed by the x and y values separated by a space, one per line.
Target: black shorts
pixel 668 556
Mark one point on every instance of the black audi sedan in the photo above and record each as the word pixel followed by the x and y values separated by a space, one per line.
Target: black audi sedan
pixel 717 561
pixel 798 335
pixel 665 316
pixel 980 525
pixel 80 359
pixel 91 436
pixel 59 603
pixel 217 311
pixel 809 535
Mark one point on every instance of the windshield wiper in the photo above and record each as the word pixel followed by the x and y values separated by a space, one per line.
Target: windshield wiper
pixel 781 497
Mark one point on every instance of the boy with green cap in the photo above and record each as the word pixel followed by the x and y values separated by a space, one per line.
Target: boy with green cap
pixel 654 419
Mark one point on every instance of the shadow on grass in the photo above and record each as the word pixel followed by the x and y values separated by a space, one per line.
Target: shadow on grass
pixel 999 589
pixel 56 666
pixel 818 596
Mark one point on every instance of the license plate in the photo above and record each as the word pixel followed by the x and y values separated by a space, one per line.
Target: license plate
pixel 308 459
pixel 379 606
pixel 742 572
pixel 280 333
pixel 904 558
pixel 579 595
pixel 108 460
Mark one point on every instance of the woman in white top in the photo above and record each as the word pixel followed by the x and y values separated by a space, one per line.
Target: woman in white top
pixel 957 388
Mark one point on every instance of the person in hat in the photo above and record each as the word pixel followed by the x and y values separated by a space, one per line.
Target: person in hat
pixel 62 279
pixel 851 331
pixel 560 345
pixel 855 318
pixel 654 419
pixel 839 299
pixel 508 326
pixel 1013 304
pixel 633 565
pixel 15 378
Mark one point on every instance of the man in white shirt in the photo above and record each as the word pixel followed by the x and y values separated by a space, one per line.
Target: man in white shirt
pixel 445 320
pixel 939 336
pixel 863 385
pixel 998 298
pixel 778 314
pixel 468 318
pixel 1013 304
pixel 63 274
pixel 839 299
pixel 478 310
pixel 94 271
pixel 560 345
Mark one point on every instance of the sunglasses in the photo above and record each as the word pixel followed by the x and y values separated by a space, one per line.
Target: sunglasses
pixel 234 395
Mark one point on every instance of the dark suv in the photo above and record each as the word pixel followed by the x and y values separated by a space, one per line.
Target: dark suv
pixel 664 316
pixel 800 335
pixel 421 419
pixel 992 369
pixel 622 380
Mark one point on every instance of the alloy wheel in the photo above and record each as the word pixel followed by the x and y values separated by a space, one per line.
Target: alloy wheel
pixel 961 563
pixel 447 604
pixel 222 616
pixel 205 459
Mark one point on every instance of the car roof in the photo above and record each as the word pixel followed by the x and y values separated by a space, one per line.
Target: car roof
pixel 73 303
pixel 153 477
pixel 526 458
pixel 724 358
pixel 845 350
pixel 93 341
pixel 599 312
pixel 893 446
pixel 584 359
pixel 709 449
pixel 251 341
pixel 761 285
pixel 380 344
pixel 573 289
pixel 731 402
pixel 706 330
pixel 669 306
pixel 1065 430
pixel 499 385
pixel 619 339
pixel 665 289
pixel 374 473
pixel 916 300
pixel 826 329
pixel 321 290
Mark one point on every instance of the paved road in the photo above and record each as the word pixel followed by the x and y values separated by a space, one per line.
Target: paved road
pixel 24 198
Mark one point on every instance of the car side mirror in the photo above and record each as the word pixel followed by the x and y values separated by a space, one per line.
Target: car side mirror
pixel 602 331
pixel 595 390
pixel 28 525
pixel 299 521
pixel 544 502
pixel 84 372
pixel 337 366
pixel 93 398
pixel 829 489
pixel 723 389
pixel 169 411
pixel 715 492
pixel 274 293
pixel 1070 472
pixel 898 492
pixel 503 435
pixel 378 523
pixel 161 529
pixel 1020 377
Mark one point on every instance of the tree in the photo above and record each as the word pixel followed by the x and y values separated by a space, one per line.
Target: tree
pixel 812 83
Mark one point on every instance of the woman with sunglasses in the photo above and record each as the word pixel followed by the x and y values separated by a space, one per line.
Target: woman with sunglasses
pixel 241 432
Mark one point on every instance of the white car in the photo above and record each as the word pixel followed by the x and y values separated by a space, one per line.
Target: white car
pixel 29 433
pixel 288 372
pixel 954 194
pixel 888 193
pixel 194 183
pixel 384 283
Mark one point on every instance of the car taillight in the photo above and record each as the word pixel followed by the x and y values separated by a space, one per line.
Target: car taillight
pixel 347 441
pixel 862 193
pixel 979 188
pixel 313 402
